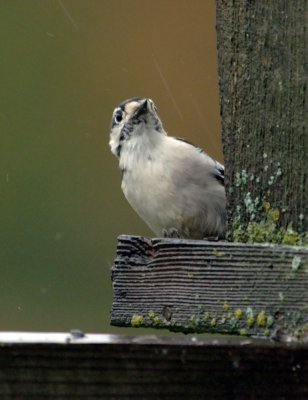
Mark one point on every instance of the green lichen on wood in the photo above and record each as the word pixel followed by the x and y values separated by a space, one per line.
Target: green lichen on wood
pixel 238 313
pixel 206 316
pixel 255 220
pixel 137 321
pixel 213 322
pixel 236 321
pixel 261 319
pixel 249 322
pixel 156 321
pixel 296 263
pixel 265 229
pixel 151 314
pixel 301 333
pixel 269 321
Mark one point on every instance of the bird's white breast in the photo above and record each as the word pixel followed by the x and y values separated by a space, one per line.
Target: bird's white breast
pixel 147 179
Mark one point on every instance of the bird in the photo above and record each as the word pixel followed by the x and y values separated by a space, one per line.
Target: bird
pixel 174 186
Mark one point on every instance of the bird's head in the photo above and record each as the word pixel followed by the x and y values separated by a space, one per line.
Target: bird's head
pixel 132 118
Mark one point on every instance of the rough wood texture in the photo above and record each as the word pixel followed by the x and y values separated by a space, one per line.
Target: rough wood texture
pixel 198 286
pixel 262 51
pixel 149 367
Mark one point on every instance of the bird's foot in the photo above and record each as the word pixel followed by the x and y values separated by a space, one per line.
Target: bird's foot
pixel 170 233
pixel 215 239
pixel 212 238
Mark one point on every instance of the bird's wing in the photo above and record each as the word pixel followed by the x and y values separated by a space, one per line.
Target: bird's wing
pixel 219 169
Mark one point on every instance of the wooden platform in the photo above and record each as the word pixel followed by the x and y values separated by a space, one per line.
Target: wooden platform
pixel 218 287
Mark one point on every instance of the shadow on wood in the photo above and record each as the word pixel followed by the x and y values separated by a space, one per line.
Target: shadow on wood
pixel 199 286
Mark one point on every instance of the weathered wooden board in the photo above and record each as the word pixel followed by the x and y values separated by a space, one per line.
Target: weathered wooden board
pixel 262 63
pixel 59 366
pixel 199 286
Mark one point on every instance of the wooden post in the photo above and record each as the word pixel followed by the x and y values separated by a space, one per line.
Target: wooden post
pixel 262 52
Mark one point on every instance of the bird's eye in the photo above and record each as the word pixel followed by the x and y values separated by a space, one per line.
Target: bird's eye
pixel 118 116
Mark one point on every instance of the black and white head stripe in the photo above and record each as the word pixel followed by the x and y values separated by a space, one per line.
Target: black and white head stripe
pixel 124 135
pixel 122 124
pixel 122 110
pixel 127 101
pixel 134 111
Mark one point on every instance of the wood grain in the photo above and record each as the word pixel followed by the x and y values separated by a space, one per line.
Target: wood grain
pixel 199 286
pixel 262 57
pixel 149 367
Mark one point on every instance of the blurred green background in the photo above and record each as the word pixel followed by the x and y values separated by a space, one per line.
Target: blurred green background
pixel 65 65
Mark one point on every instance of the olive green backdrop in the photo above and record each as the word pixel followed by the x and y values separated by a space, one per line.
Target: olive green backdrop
pixel 64 65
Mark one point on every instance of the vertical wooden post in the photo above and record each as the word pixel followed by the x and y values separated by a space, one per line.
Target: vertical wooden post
pixel 262 55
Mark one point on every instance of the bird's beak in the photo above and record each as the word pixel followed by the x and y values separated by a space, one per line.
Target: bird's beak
pixel 143 108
